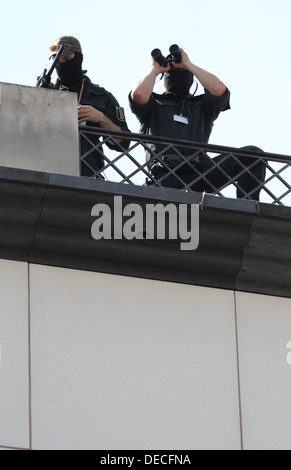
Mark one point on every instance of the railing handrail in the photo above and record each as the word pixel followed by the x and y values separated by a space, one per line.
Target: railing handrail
pixel 214 148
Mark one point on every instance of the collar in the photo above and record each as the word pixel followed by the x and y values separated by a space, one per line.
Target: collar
pixel 174 96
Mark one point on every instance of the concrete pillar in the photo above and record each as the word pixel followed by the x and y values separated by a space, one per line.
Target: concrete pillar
pixel 39 129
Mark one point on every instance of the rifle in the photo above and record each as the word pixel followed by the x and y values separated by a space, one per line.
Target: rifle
pixel 44 80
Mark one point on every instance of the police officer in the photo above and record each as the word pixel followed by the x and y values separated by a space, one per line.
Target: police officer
pixel 177 114
pixel 96 106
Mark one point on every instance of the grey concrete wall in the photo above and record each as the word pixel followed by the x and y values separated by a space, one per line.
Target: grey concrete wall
pixel 38 129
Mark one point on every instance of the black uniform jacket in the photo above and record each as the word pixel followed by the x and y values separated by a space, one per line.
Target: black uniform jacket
pixel 159 118
pixel 104 101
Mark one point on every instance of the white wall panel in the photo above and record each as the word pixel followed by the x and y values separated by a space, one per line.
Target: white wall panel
pixel 14 378
pixel 264 331
pixel 124 363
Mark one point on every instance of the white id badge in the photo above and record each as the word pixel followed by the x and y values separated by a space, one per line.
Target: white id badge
pixel 181 119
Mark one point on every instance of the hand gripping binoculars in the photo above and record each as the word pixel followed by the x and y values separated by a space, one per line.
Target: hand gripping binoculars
pixel 175 56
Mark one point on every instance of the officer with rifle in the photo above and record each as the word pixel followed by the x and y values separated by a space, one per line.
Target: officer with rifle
pixel 96 106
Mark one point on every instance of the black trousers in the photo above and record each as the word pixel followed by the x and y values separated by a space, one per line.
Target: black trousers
pixel 217 177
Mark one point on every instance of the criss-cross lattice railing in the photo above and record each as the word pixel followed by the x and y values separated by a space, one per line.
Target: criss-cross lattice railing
pixel 128 164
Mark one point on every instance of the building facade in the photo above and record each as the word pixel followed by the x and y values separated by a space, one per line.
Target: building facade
pixel 135 344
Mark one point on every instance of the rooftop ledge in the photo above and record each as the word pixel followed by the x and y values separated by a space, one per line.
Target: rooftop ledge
pixel 45 218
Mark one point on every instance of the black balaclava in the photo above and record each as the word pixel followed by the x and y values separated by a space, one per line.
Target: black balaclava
pixel 179 82
pixel 70 72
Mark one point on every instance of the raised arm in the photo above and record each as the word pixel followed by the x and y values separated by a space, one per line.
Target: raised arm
pixel 209 81
pixel 143 90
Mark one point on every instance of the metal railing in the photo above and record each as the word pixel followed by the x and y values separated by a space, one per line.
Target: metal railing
pixel 127 164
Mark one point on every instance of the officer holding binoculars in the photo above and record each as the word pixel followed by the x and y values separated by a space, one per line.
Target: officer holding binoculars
pixel 178 114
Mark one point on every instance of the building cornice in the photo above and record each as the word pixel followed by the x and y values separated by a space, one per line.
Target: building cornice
pixel 46 219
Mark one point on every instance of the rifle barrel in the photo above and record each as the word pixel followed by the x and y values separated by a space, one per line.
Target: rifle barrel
pixel 45 78
pixel 54 64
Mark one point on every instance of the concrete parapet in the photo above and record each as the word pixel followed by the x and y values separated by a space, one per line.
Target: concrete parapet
pixel 38 130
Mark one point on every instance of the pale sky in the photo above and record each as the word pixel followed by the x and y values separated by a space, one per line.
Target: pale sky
pixel 246 43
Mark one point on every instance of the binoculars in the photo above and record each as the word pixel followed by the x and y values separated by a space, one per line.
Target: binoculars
pixel 175 56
